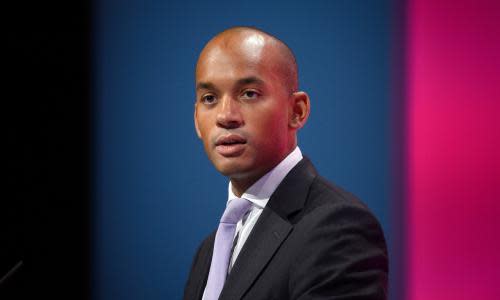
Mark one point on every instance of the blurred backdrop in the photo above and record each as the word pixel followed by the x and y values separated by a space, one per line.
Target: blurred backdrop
pixel 106 166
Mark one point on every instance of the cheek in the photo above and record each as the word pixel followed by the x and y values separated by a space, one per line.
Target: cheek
pixel 272 128
pixel 275 120
pixel 204 121
pixel 204 133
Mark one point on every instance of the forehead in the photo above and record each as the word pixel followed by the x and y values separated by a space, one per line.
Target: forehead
pixel 233 59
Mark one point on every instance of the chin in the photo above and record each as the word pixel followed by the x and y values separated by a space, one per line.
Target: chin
pixel 232 169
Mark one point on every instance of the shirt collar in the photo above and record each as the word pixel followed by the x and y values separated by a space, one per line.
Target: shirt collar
pixel 260 192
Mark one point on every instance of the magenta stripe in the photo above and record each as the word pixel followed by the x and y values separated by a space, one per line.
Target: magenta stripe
pixel 453 175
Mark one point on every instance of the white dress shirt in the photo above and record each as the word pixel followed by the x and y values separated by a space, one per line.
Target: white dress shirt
pixel 259 194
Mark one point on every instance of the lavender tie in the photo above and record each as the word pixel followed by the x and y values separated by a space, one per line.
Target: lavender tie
pixel 222 246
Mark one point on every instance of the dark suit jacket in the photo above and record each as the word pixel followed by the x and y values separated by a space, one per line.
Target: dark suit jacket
pixel 312 241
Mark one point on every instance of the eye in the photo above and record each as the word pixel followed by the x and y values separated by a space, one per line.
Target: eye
pixel 250 94
pixel 208 99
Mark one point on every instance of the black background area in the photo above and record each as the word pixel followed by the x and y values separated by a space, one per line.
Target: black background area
pixel 45 208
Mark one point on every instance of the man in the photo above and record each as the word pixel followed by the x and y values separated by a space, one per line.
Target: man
pixel 286 233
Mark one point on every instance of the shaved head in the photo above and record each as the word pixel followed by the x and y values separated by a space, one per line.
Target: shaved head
pixel 268 48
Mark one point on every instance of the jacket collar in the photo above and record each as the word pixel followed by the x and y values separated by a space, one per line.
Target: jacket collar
pixel 271 230
pixel 291 194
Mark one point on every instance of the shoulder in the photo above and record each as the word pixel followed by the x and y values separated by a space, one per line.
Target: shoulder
pixel 304 196
pixel 341 242
pixel 325 193
pixel 326 200
pixel 330 210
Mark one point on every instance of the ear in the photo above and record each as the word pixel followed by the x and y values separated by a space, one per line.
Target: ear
pixel 300 109
pixel 196 120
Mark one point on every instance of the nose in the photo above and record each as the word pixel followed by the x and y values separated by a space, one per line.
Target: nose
pixel 229 114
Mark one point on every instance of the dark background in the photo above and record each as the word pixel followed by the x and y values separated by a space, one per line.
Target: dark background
pixel 45 208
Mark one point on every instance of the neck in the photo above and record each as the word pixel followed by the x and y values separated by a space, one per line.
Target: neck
pixel 241 184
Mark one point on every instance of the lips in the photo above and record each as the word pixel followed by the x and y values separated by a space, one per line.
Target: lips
pixel 230 145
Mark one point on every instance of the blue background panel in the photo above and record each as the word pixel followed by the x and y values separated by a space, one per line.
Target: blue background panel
pixel 156 194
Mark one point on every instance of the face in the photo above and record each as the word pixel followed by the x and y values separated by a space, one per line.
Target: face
pixel 242 108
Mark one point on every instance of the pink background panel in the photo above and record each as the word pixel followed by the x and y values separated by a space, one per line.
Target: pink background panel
pixel 453 140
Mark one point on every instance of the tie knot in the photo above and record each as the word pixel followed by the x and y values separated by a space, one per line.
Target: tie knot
pixel 235 210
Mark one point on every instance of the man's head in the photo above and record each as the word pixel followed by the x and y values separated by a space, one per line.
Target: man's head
pixel 248 107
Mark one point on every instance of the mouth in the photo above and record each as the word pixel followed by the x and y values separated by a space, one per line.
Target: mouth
pixel 230 145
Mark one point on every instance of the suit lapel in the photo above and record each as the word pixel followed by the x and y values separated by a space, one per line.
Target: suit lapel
pixel 201 269
pixel 266 237
pixel 270 231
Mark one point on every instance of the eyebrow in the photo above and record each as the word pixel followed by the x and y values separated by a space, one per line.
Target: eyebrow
pixel 250 80
pixel 205 86
pixel 239 82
